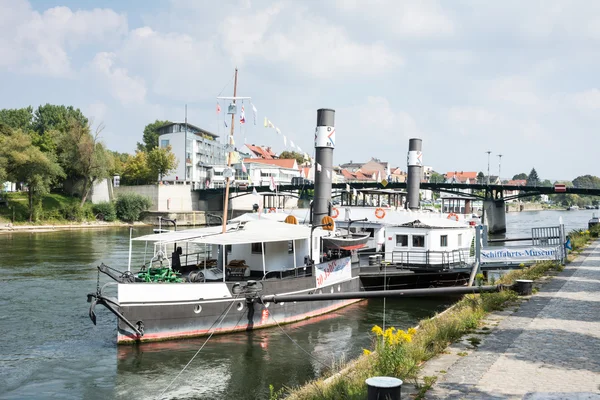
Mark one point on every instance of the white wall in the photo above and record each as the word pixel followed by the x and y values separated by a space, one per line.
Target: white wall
pixel 101 191
pixel 177 143
pixel 165 197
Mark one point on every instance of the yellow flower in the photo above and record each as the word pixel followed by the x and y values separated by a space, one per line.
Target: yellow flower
pixel 366 352
pixel 377 330
pixel 412 331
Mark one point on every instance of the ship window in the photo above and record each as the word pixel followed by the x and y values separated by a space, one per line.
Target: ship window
pixel 459 239
pixel 401 240
pixel 256 248
pixel 290 246
pixel 444 241
pixel 228 248
pixel 418 241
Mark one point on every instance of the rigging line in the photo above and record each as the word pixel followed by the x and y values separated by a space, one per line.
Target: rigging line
pixel 223 314
pixel 227 84
pixel 296 343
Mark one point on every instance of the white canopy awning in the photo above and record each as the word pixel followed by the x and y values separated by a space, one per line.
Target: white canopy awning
pixel 186 234
pixel 258 231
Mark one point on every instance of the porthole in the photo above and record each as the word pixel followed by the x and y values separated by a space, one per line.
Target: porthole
pixel 281 303
pixel 240 306
pixel 320 291
pixel 266 304
pixel 339 288
pixel 332 289
pixel 198 309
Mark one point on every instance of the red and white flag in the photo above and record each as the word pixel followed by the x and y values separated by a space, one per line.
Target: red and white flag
pixel 218 108
pixel 273 185
pixel 244 170
pixel 242 116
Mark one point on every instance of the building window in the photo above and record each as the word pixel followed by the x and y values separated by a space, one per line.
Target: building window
pixel 444 241
pixel 164 143
pixel 290 246
pixel 401 240
pixel 418 241
pixel 459 239
pixel 256 248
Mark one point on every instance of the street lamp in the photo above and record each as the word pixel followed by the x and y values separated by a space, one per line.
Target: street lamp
pixel 488 174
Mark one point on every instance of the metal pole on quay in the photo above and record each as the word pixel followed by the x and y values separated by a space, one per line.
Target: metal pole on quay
pixel 383 388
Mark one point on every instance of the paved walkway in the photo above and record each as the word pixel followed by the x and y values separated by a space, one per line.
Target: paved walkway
pixel 549 348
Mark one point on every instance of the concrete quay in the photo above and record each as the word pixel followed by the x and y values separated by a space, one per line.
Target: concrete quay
pixel 548 347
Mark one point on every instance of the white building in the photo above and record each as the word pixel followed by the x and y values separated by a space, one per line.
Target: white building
pixel 260 171
pixel 197 152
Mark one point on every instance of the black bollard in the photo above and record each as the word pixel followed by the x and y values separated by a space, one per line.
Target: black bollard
pixel 383 388
pixel 524 287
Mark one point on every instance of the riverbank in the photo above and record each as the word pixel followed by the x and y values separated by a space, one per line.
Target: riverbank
pixel 49 227
pixel 445 341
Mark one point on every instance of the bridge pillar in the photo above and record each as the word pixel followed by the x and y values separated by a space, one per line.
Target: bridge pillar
pixel 495 215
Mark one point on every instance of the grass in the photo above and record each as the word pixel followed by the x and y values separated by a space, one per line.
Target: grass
pixel 53 208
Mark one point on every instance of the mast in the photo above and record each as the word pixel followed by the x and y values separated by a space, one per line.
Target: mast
pixel 229 141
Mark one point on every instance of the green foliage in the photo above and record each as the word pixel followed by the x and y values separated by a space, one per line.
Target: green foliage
pixel 437 178
pixel 18 118
pixel 129 206
pixel 24 162
pixel 587 182
pixel 288 155
pixel 480 178
pixel 150 136
pixel 533 179
pixel 74 211
pixel 50 121
pixel 161 161
pixel 105 211
pixel 520 176
pixel 119 162
pixel 136 170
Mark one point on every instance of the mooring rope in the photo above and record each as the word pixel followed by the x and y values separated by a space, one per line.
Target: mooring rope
pixel 297 344
pixel 222 316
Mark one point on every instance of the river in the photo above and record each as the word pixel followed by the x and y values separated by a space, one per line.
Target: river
pixel 50 349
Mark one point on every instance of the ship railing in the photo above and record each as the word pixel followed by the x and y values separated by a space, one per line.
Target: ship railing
pixel 298 272
pixel 434 259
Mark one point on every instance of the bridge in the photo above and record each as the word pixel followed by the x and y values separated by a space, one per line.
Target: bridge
pixel 493 196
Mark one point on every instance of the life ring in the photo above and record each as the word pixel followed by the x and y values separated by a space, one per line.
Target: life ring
pixel 380 213
pixel 335 212
pixel 453 216
pixel 272 210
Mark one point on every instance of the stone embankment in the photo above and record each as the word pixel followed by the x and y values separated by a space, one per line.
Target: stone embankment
pixel 10 228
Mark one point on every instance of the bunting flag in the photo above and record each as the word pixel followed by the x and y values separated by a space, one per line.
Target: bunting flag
pixel 207 184
pixel 318 167
pixel 354 192
pixel 306 157
pixel 242 116
pixel 225 122
pixel 244 170
pixel 272 185
pixel 250 180
pixel 299 149
pixel 266 124
pixel 278 131
pixel 292 144
pixel 231 141
pixel 218 108
pixel 254 112
pixel 235 157
pixel 284 141
pixel 254 192
pixel 347 188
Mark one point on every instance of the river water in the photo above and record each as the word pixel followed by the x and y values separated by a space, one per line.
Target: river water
pixel 50 349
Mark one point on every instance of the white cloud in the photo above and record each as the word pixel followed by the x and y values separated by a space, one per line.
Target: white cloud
pixel 586 100
pixel 514 89
pixel 307 43
pixel 470 114
pixel 40 42
pixel 127 89
pixel 406 19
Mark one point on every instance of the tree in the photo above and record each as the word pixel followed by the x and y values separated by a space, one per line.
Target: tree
pixel 150 137
pixel 27 163
pixel 533 178
pixel 119 161
pixel 289 155
pixel 436 178
pixel 50 121
pixel 587 182
pixel 480 178
pixel 136 169
pixel 84 156
pixel 161 161
pixel 546 183
pixel 18 118
pixel 521 176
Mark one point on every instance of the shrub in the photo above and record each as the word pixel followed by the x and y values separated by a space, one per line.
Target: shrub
pixel 105 211
pixel 129 206
pixel 75 212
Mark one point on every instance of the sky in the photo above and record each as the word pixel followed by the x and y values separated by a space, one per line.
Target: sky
pixel 517 78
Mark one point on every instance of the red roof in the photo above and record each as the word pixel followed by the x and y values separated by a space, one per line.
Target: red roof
pixel 517 182
pixel 262 152
pixel 462 175
pixel 282 162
